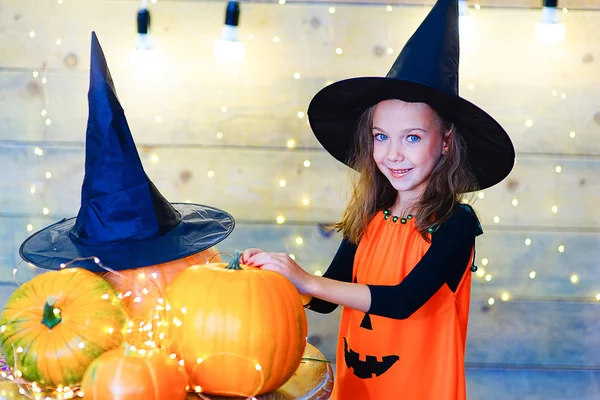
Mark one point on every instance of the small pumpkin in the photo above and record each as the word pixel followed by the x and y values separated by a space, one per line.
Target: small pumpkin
pixel 142 288
pixel 56 324
pixel 127 375
pixel 240 330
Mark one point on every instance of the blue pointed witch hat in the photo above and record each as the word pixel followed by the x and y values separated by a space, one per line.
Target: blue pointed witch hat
pixel 123 219
pixel 426 71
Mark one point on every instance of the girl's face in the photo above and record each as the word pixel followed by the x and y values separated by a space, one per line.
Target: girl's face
pixel 407 145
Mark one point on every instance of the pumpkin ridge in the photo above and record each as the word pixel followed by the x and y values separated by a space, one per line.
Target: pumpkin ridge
pixel 117 374
pixel 29 369
pixel 271 324
pixel 154 380
pixel 72 373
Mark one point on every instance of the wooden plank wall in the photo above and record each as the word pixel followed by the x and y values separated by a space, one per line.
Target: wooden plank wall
pixel 219 135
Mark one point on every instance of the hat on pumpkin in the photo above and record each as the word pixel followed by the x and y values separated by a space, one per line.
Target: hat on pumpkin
pixel 123 219
pixel 425 71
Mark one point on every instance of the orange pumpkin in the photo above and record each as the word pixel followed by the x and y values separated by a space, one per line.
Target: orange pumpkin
pixel 142 288
pixel 127 375
pixel 240 330
pixel 56 324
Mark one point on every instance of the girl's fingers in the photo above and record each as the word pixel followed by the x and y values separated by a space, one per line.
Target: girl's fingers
pixel 248 253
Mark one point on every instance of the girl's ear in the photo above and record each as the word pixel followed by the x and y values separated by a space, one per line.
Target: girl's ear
pixel 446 141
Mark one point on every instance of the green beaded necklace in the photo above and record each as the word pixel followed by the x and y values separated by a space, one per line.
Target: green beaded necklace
pixel 387 214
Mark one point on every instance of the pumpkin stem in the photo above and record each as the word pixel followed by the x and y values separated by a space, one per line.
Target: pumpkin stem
pixel 235 261
pixel 51 316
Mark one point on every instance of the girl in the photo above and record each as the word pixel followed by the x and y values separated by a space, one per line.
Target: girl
pixel 402 271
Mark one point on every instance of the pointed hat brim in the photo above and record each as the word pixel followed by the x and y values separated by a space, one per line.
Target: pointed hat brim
pixel 200 228
pixel 335 110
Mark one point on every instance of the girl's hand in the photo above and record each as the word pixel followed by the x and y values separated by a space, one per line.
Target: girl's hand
pixel 248 253
pixel 283 264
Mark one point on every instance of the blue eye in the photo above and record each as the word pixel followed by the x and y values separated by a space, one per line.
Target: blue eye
pixel 413 138
pixel 380 137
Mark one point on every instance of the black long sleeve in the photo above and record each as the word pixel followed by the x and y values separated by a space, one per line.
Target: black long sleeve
pixel 340 269
pixel 444 263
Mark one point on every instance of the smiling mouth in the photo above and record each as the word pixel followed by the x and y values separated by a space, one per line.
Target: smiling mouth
pixel 397 173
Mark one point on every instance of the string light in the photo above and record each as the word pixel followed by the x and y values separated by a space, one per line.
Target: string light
pixel 276 40
pixel 291 143
pixel 505 296
pixel 561 249
pixel 389 8
pixel 554 209
pixel 572 134
pixel 306 163
pixel 292 256
pixel 515 202
pixel 280 219
pixel 491 301
pixel 305 201
pixel 339 51
pixel 331 10
pixel 282 183
pixel 496 219
pixel 488 277
pixel 481 195
pixel 527 242
pixel 299 240
pixel 558 169
pixel 300 114
pixel 574 278
pixel 296 75
pixel 210 173
pixel 484 261
pixel 532 275
pixel 529 123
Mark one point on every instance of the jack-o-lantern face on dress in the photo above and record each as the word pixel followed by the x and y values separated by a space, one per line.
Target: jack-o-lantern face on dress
pixel 370 366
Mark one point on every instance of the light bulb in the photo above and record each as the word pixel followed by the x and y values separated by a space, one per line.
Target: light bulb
pixel 550 31
pixel 143 41
pixel 229 49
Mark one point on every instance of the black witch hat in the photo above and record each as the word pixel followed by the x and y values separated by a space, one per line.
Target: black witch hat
pixel 426 71
pixel 123 219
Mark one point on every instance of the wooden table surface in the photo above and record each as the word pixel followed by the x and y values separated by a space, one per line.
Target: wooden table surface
pixel 312 381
